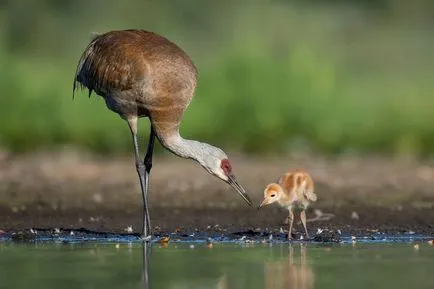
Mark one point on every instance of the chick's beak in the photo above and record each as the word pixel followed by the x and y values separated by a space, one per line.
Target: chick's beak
pixel 264 203
pixel 240 190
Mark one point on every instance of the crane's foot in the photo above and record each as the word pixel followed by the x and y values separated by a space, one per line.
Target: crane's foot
pixel 146 238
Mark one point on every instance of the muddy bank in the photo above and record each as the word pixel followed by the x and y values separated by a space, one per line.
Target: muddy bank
pixel 75 190
pixel 166 220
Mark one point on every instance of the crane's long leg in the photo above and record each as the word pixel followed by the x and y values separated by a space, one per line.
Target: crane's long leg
pixel 148 166
pixel 303 220
pixel 291 222
pixel 140 167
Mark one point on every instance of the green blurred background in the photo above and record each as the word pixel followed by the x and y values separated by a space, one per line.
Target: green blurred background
pixel 275 76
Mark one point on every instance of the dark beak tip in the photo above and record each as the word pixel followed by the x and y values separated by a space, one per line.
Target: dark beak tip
pixel 247 199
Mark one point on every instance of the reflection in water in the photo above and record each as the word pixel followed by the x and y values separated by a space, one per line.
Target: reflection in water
pixel 182 266
pixel 288 269
pixel 289 274
pixel 146 251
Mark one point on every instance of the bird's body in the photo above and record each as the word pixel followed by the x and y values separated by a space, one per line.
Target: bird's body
pixel 295 189
pixel 142 74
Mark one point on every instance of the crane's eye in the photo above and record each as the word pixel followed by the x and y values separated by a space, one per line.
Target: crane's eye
pixel 273 195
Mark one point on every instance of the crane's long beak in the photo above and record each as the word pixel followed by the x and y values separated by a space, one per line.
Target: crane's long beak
pixel 234 183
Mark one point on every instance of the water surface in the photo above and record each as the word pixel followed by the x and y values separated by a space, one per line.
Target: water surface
pixel 224 266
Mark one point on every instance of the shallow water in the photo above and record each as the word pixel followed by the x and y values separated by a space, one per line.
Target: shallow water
pixel 224 266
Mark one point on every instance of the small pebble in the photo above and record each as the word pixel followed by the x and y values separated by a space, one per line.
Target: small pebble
pixel 416 247
pixel 354 215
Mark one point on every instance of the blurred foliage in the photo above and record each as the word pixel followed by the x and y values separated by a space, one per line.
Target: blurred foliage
pixel 275 75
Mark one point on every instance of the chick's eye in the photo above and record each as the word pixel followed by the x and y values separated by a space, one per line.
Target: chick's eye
pixel 273 195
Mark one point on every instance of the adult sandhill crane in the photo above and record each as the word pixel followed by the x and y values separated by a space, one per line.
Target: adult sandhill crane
pixel 142 74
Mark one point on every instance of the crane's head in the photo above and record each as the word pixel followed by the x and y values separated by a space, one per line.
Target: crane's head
pixel 272 193
pixel 218 164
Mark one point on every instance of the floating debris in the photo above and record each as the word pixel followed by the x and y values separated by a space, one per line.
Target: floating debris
pixel 129 229
pixel 339 232
pixel 209 243
pixel 191 246
pixel 301 237
pixel 416 247
pixel 281 230
pixel 23 237
pixel 242 238
pixel 117 246
pixel 164 240
pixel 33 231
pixel 319 231
pixel 327 236
pixel 56 230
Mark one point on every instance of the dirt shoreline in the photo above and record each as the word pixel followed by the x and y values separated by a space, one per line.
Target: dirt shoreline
pixel 76 190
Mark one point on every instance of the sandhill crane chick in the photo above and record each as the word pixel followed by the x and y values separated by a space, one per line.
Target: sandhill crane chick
pixel 293 189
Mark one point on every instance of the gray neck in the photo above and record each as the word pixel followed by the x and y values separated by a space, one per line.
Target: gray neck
pixel 189 149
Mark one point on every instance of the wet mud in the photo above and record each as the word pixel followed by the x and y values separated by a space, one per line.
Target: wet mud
pixel 59 193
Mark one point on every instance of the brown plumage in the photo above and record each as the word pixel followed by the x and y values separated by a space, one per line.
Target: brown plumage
pixel 142 74
pixel 293 189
